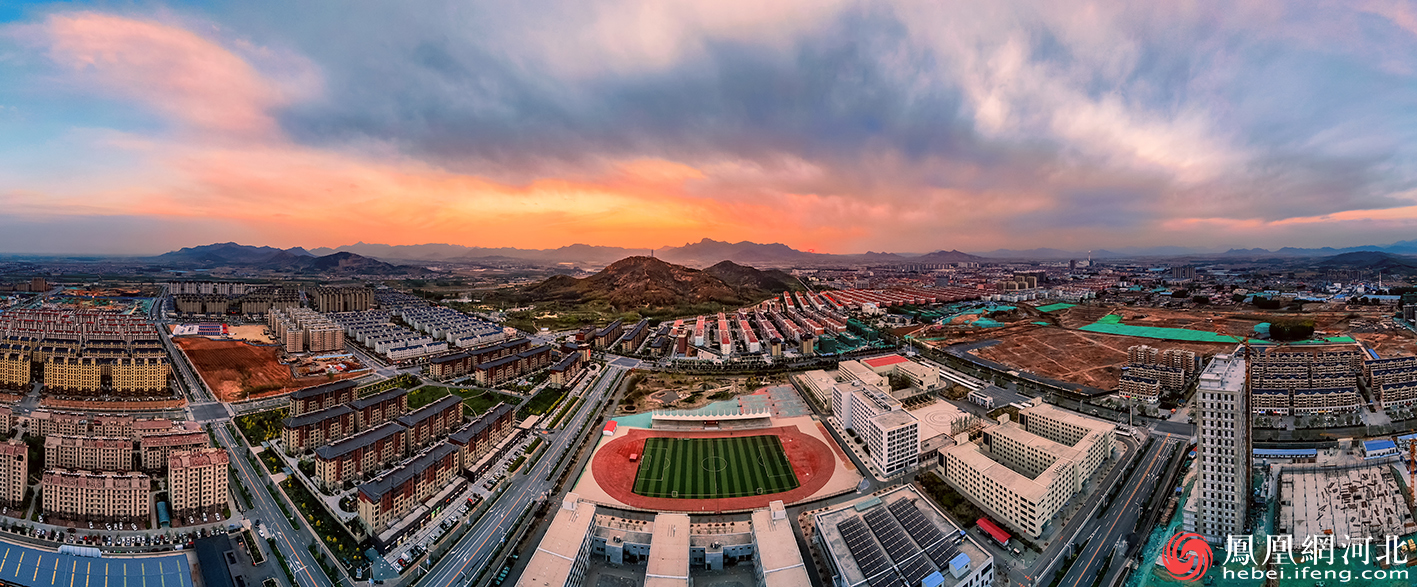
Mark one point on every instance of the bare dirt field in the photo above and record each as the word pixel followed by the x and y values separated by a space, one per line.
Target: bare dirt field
pixel 1086 358
pixel 251 332
pixel 238 371
pixel 661 391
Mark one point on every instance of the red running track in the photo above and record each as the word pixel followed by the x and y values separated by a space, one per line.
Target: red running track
pixel 812 460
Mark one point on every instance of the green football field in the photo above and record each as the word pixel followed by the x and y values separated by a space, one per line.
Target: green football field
pixel 704 468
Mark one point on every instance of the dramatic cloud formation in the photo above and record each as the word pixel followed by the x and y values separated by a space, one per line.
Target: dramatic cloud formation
pixel 837 126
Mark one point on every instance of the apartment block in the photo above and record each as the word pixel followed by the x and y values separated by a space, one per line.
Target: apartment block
pixel 48 423
pixel 340 299
pixel 1317 380
pixel 321 397
pixel 157 448
pixel 312 429
pixel 80 495
pixel 386 499
pixel 565 370
pixel 14 472
pixel 1169 378
pixel 461 364
pixel 73 375
pixel 562 558
pixel 509 368
pixel 90 453
pixel 7 418
pixel 1217 505
pixel 360 454
pixel 479 436
pixel 379 408
pixel 1142 389
pixel 15 369
pixel 197 481
pixel 431 421
pixel 140 375
pixel 304 330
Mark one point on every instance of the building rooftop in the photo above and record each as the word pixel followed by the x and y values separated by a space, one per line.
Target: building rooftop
pixel 1030 489
pixel 320 390
pixel 777 549
pixel 668 563
pixel 893 419
pixel 174 439
pixel 1224 373
pixel 886 361
pixel 358 441
pixel 378 398
pixel 551 563
pixel 198 458
pixel 415 417
pixel 897 538
pixel 309 418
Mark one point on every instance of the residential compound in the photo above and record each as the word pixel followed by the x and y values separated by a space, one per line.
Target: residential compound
pixel 498 363
pixel 85 452
pixel 1150 372
pixel 385 500
pixel 223 298
pixel 671 546
pixel 381 441
pixel 898 537
pixel 326 299
pixel 1217 504
pixel 1306 380
pixel 321 397
pixel 197 481
pixel 1393 381
pixel 375 330
pixel 458 329
pixel 303 330
pixel 50 423
pixel 83 353
pixel 1023 473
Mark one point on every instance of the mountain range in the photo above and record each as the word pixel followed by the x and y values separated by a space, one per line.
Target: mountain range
pixel 294 260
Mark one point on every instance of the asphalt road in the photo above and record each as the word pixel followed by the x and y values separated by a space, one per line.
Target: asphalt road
pixel 465 560
pixel 1121 518
pixel 291 542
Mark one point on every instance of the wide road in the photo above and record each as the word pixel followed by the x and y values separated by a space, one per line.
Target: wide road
pixel 465 560
pixel 291 542
pixel 1121 518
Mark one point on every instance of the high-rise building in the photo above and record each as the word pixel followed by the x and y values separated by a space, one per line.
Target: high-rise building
pixel 197 481
pixel 14 472
pixel 1216 507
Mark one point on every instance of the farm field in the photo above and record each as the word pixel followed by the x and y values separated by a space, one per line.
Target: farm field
pixel 237 371
pixel 710 468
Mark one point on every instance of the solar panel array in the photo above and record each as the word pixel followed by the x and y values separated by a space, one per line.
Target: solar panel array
pixel 868 555
pixel 898 546
pixel 939 547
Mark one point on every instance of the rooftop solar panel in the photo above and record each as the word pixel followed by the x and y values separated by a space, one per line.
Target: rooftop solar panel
pixel 868 555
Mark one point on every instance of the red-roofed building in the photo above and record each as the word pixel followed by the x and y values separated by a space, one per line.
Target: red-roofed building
pixel 610 428
pixel 879 363
pixel 995 532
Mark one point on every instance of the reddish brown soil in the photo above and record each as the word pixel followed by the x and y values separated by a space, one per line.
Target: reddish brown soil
pixel 232 368
pixel 1087 358
pixel 812 460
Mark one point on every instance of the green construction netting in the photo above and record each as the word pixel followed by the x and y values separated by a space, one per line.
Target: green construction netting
pixel 1054 307
pixel 1112 324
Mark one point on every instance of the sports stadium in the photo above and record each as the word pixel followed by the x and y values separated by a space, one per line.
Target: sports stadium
pixel 734 457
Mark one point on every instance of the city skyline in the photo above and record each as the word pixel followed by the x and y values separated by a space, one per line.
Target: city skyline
pixel 834 127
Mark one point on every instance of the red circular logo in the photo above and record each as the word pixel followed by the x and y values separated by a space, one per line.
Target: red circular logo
pixel 1187 556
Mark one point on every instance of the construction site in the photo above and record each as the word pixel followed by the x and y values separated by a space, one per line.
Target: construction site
pixel 1365 501
pixel 236 370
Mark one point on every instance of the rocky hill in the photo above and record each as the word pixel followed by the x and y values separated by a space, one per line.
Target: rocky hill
pixel 650 283
pixel 296 260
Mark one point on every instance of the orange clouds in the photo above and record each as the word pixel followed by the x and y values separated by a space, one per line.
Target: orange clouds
pixel 193 80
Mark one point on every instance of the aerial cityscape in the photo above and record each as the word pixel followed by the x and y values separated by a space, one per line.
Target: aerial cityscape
pixel 718 294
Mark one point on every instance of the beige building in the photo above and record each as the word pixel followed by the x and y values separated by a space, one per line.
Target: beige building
pixel 81 375
pixel 340 299
pixel 14 472
pixel 14 370
pixel 360 454
pixel 99 497
pixel 135 375
pixel 1216 507
pixel 158 448
pixel 48 423
pixel 305 330
pixel 89 453
pixel 7 418
pixel 197 481
pixel 1143 389
pixel 563 556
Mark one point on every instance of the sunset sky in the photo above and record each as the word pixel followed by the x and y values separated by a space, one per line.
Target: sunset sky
pixel 138 127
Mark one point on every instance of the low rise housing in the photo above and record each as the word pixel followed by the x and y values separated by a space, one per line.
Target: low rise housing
pixel 431 421
pixel 321 397
pixel 313 429
pixel 386 499
pixel 360 455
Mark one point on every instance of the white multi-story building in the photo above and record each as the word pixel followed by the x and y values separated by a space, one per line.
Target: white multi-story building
pixel 1216 507
pixel 1024 473
pixel 892 434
